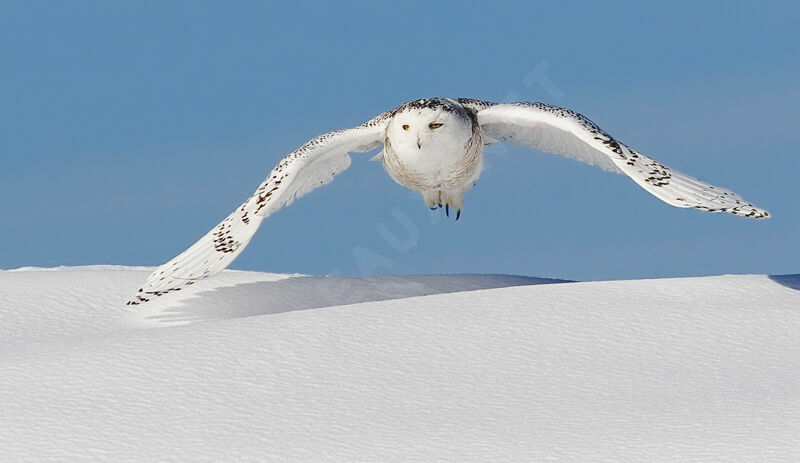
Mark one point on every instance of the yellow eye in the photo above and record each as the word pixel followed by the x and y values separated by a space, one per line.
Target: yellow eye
pixel 435 125
pixel 405 127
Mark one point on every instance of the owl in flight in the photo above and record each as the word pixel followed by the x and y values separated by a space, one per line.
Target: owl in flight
pixel 434 146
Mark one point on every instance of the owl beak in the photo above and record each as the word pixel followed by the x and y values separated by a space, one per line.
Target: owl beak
pixel 419 144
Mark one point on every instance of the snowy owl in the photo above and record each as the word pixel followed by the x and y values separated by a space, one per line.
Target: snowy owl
pixel 434 146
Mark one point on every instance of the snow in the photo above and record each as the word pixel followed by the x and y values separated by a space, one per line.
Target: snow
pixel 265 367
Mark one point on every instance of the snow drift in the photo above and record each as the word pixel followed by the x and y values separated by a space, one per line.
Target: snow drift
pixel 459 368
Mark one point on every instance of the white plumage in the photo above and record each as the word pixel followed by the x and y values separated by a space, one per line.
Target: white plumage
pixel 434 146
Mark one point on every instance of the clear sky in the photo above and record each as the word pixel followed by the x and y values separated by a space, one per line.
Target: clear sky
pixel 129 129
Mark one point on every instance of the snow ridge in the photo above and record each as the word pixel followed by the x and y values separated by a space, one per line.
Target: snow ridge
pixel 455 368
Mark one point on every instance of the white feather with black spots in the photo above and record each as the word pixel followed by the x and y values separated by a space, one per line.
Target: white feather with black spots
pixel 312 165
pixel 564 132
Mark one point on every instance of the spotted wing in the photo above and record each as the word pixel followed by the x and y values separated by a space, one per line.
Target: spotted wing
pixel 560 131
pixel 312 165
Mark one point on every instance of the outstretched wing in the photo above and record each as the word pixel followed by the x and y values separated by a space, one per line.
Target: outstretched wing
pixel 310 166
pixel 560 131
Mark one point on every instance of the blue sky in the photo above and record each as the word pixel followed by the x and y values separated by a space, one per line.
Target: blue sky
pixel 129 129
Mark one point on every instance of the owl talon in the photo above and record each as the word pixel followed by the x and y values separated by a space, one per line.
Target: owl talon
pixel 458 214
pixel 447 209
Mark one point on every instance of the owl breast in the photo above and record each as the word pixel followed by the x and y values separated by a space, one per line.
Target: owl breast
pixel 446 165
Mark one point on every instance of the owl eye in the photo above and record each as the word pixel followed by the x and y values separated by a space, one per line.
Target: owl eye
pixel 405 126
pixel 435 125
